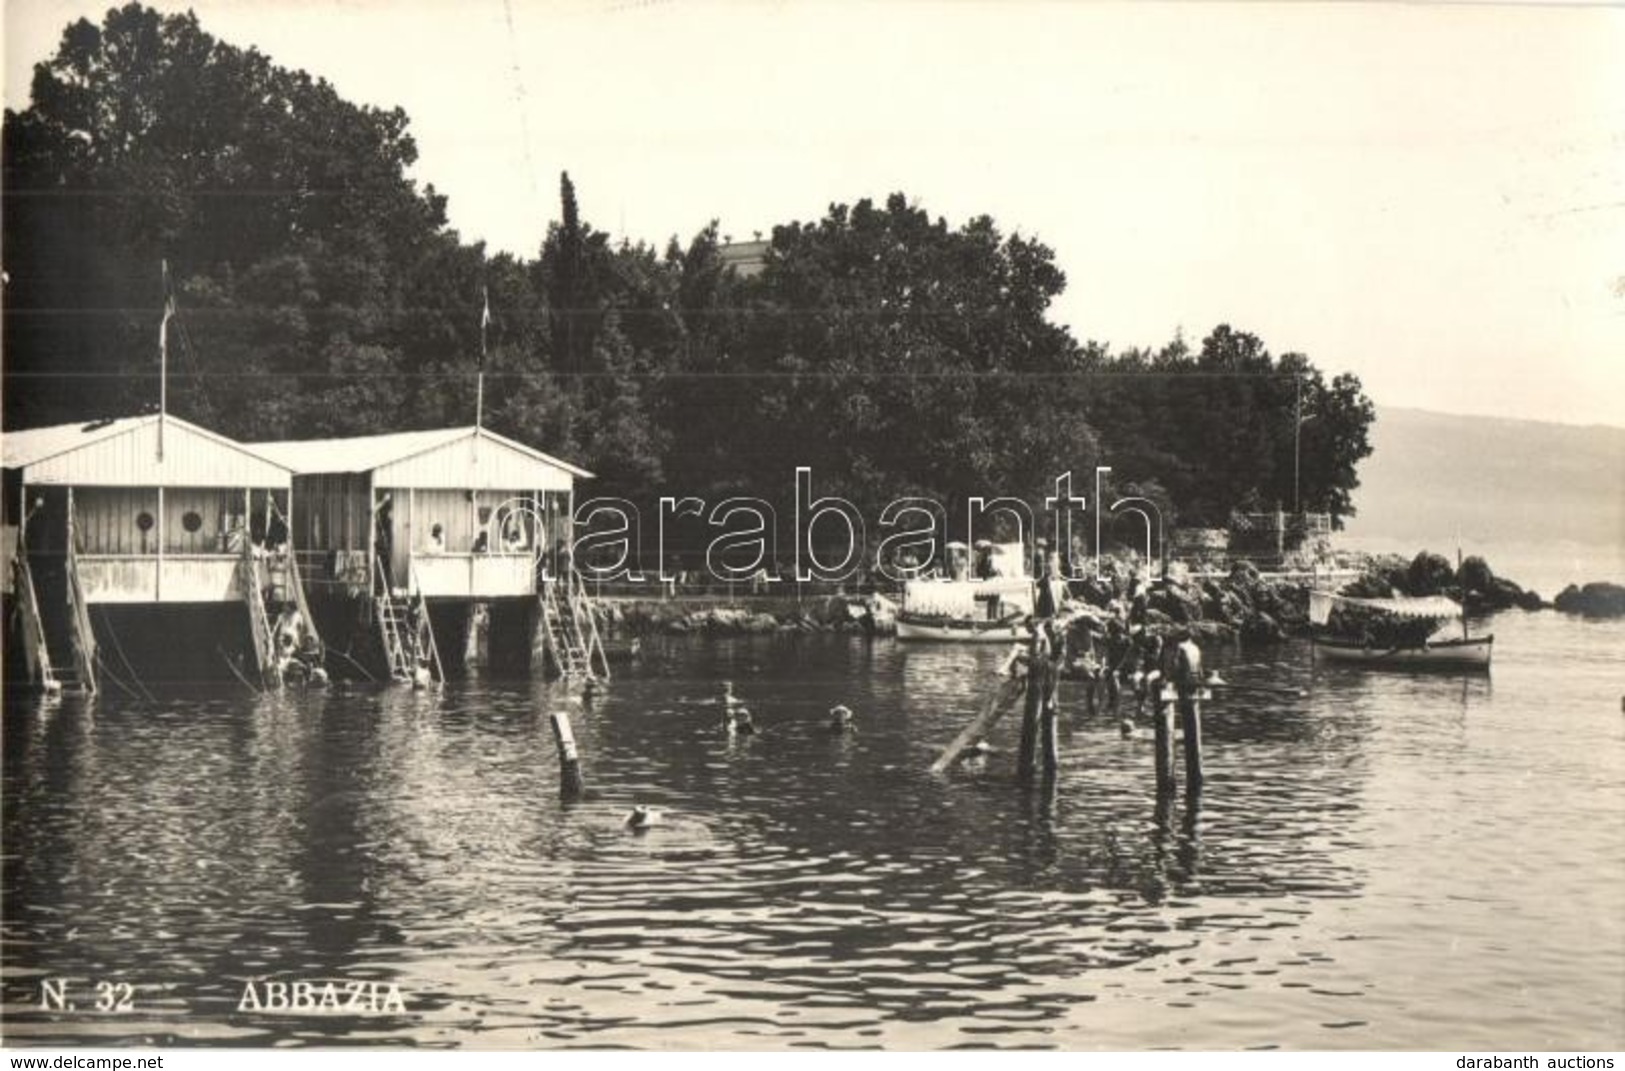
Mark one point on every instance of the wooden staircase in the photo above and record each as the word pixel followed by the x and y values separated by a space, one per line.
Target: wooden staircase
pixel 70 670
pixel 405 631
pixel 570 630
pixel 84 635
pixel 36 651
pixel 296 586
pixel 267 659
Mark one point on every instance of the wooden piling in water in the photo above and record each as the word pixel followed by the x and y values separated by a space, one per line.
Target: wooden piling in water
pixel 1031 715
pixel 571 783
pixel 1163 745
pixel 477 639
pixel 538 639
pixel 1051 745
pixel 1190 717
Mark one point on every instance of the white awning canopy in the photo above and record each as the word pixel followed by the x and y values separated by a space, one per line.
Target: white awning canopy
pixel 1432 607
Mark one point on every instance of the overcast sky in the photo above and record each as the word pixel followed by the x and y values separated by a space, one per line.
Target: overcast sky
pixel 1429 196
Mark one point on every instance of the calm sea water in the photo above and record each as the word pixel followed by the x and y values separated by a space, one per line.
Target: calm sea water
pixel 1393 861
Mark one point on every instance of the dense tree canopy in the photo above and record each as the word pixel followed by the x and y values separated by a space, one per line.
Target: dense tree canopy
pixel 321 292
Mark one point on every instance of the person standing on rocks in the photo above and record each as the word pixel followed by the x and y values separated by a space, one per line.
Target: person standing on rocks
pixel 1119 657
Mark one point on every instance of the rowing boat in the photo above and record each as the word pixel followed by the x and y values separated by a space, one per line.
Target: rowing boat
pixel 1473 653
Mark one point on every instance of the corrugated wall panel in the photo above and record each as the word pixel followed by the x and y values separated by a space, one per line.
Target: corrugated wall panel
pixel 331 512
pixel 106 520
pixel 449 509
pixel 131 460
pixel 454 467
pixel 214 513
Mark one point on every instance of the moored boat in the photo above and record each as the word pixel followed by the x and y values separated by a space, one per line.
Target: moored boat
pixel 958 629
pixel 1397 633
pixel 989 609
pixel 1472 653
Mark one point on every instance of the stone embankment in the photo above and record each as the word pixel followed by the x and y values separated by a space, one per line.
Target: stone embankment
pixel 1244 603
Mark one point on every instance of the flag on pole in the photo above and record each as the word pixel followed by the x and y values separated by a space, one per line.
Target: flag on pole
pixel 163 356
pixel 479 379
pixel 485 322
pixel 169 310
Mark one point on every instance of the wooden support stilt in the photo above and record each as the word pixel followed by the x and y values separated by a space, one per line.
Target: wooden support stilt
pixel 1190 716
pixel 538 639
pixel 571 783
pixel 1163 732
pixel 476 649
pixel 1052 712
pixel 1031 714
pixel 1051 745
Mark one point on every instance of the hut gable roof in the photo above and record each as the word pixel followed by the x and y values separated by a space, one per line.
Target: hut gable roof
pixel 24 448
pixel 361 453
pixel 431 458
pixel 124 453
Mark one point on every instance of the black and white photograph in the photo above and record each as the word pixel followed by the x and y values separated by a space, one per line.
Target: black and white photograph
pixel 808 526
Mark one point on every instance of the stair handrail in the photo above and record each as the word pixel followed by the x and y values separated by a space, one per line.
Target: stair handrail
pixel 582 606
pixel 425 625
pixel 563 631
pixel 259 622
pixel 552 619
pixel 84 634
pixel 33 623
pixel 297 582
pixel 389 632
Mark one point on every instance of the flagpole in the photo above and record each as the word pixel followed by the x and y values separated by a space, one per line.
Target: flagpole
pixel 479 388
pixel 163 358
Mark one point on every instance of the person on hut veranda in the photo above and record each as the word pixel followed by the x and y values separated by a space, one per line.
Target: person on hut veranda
pixel 513 535
pixel 276 534
pixel 384 538
pixel 437 539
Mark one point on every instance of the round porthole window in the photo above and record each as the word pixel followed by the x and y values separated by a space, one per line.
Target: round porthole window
pixel 191 521
pixel 143 521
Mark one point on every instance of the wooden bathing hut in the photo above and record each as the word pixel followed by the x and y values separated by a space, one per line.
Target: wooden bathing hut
pixel 409 539
pixel 133 547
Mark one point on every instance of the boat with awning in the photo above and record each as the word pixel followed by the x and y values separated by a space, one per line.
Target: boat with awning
pixel 1404 633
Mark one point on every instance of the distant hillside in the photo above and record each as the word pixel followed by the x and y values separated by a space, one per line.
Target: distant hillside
pixel 1512 484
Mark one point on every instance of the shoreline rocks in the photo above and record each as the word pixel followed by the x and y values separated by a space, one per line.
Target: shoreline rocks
pixel 1428 573
pixel 1596 599
pixel 745 616
pixel 1244 605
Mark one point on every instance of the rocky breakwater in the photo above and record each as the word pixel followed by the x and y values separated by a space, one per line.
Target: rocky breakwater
pixel 1592 600
pixel 1428 573
pixel 1244 604
pixel 756 615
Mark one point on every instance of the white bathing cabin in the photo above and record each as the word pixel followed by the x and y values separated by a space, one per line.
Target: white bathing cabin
pixel 144 510
pixel 454 517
